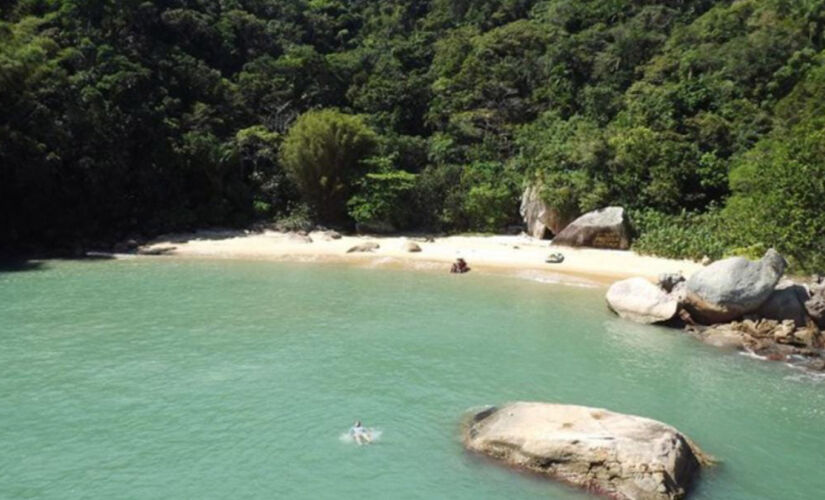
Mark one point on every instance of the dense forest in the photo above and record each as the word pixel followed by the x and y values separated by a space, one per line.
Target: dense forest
pixel 705 119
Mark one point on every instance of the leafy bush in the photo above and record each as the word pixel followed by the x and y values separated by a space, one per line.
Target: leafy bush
pixel 299 218
pixel 683 236
pixel 778 196
pixel 491 196
pixel 323 154
pixel 384 198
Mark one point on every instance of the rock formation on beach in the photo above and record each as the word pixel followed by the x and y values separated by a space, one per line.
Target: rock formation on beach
pixel 735 303
pixel 541 220
pixel 619 456
pixel 639 300
pixel 604 228
pixel 367 246
pixel 410 247
pixel 730 288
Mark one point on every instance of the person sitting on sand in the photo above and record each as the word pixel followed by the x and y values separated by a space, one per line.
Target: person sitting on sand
pixel 360 434
pixel 459 266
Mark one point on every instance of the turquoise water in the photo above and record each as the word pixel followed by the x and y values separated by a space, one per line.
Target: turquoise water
pixel 215 379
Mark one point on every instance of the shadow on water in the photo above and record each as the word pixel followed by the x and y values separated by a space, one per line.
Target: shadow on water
pixel 27 265
pixel 21 265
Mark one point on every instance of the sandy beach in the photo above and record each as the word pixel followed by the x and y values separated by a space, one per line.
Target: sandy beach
pixel 499 253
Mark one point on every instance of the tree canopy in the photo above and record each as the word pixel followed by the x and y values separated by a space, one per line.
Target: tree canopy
pixel 124 117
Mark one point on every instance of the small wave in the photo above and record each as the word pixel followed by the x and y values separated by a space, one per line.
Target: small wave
pixel 553 279
pixel 375 435
pixel 752 355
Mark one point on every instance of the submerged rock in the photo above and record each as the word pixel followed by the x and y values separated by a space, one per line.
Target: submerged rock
pixel 367 246
pixel 639 300
pixel 605 228
pixel 620 456
pixel 730 288
pixel 771 339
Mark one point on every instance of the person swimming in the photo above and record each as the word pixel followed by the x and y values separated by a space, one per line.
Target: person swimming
pixel 360 434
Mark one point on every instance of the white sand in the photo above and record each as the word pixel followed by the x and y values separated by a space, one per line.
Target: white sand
pixel 510 254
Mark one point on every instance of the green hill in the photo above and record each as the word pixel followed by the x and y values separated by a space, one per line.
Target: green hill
pixel 703 118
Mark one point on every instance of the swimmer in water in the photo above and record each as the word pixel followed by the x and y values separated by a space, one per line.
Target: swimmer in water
pixel 360 434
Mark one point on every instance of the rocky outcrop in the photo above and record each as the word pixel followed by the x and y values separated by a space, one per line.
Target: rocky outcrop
pixel 605 228
pixel 730 288
pixel 367 246
pixel 542 221
pixel 619 456
pixel 769 339
pixel 780 320
pixel 639 300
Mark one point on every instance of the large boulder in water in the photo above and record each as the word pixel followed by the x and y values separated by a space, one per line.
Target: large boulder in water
pixel 604 228
pixel 730 288
pixel 620 456
pixel 540 219
pixel 639 300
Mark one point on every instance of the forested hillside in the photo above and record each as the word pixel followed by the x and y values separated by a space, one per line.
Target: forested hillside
pixel 704 118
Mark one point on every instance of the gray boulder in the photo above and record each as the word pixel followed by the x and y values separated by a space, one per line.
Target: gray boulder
pixel 639 300
pixel 542 221
pixel 815 304
pixel 786 303
pixel 730 288
pixel 367 246
pixel 604 228
pixel 815 307
pixel 410 246
pixel 620 456
pixel 156 250
pixel 331 235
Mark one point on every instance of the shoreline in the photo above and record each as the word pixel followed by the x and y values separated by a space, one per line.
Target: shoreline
pixel 499 254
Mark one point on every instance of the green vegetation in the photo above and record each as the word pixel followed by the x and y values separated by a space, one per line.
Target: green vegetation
pixel 324 154
pixel 704 118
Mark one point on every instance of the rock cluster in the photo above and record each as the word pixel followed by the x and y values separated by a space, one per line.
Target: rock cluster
pixel 735 303
pixel 730 288
pixel 619 456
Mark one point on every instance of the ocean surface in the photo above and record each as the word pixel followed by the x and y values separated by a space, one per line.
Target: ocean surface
pixel 197 379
